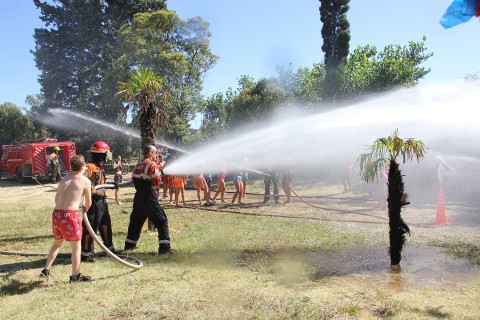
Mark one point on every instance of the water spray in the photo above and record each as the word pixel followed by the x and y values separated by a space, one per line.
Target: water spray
pixel 61 118
pixel 63 114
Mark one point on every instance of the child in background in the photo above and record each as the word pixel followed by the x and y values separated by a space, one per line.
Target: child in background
pixel 168 185
pixel 237 180
pixel 209 179
pixel 179 182
pixel 199 183
pixel 161 164
pixel 245 177
pixel 171 188
pixel 221 185
pixel 117 166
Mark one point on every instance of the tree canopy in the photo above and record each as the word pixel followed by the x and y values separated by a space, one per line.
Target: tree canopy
pixel 87 47
pixel 14 125
pixel 368 70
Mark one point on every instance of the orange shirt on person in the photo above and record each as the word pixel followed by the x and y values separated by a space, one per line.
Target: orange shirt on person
pixel 179 181
pixel 90 173
pixel 92 168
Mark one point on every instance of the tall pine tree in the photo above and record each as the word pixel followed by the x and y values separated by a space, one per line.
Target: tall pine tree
pixel 336 41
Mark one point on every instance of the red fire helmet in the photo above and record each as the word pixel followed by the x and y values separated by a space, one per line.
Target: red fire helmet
pixel 100 147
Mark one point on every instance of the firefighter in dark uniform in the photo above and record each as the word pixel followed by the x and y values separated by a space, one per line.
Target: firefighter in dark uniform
pixel 271 178
pixel 146 178
pixel 98 214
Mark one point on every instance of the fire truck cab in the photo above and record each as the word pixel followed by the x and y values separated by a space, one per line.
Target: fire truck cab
pixel 30 158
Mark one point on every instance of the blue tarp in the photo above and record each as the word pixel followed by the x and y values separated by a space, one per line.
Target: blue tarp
pixel 460 11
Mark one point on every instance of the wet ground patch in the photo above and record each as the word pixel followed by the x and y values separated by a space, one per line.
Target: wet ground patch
pixel 422 266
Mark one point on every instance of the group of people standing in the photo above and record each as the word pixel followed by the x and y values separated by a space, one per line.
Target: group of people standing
pixel 81 182
pixel 239 178
pixel 147 178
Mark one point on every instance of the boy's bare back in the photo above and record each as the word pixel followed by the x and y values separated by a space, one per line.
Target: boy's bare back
pixel 71 189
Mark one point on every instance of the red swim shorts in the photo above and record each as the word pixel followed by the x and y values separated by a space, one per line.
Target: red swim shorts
pixel 66 224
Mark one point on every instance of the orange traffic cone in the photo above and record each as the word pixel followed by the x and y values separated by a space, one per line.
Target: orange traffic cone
pixel 441 217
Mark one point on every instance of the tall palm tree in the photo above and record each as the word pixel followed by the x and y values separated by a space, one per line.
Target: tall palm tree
pixel 385 151
pixel 145 95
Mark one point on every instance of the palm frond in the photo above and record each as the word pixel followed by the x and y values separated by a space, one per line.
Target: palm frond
pixel 145 95
pixel 386 149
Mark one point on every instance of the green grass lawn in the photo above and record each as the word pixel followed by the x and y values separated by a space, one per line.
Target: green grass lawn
pixel 239 262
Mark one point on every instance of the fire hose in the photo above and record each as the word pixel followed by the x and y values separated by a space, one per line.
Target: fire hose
pixel 425 225
pixel 117 257
pixel 337 210
pixel 383 220
pixel 104 248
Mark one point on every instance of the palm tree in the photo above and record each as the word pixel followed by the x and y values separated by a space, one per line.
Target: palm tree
pixel 385 151
pixel 140 94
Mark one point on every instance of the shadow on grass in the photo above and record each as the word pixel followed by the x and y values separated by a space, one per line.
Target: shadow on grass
pixel 24 239
pixel 15 287
pixel 11 268
pixel 434 312
pixel 437 313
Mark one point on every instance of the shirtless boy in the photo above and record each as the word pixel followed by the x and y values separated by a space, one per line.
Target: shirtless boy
pixel 66 223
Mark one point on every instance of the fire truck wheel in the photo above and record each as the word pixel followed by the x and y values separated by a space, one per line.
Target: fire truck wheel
pixel 20 177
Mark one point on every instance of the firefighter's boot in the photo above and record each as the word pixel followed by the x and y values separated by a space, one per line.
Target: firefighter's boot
pixel 129 246
pixel 87 258
pixel 164 248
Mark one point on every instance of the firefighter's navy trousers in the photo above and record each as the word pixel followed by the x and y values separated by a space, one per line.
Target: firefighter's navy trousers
pixel 99 219
pixel 146 205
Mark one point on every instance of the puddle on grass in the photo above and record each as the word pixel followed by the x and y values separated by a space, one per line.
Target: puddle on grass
pixel 421 267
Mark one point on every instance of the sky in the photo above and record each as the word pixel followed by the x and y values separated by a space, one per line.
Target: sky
pixel 254 37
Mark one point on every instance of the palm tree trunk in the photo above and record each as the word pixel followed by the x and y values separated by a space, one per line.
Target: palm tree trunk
pixel 147 127
pixel 396 200
pixel 147 133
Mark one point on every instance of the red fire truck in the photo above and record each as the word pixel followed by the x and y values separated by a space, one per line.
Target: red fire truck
pixel 30 158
